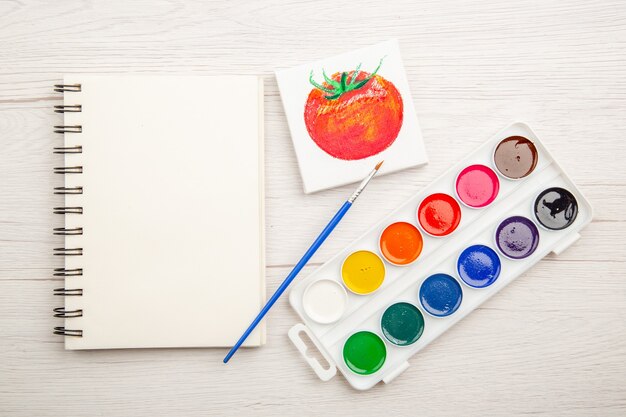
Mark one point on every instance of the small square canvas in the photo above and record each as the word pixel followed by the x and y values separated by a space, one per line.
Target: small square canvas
pixel 348 112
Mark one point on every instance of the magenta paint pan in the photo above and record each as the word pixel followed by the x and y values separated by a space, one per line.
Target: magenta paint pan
pixel 477 186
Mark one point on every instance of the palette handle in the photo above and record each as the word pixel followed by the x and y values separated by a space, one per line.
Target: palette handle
pixel 323 373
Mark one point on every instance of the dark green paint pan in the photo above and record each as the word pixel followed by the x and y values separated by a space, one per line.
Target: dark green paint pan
pixel 402 324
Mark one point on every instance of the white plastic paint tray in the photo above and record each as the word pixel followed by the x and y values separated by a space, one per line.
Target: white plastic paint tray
pixel 439 255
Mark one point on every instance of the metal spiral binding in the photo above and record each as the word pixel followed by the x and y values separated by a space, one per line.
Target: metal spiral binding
pixel 68 129
pixel 65 272
pixel 63 231
pixel 68 190
pixel 68 251
pixel 67 332
pixel 68 210
pixel 74 108
pixel 68 170
pixel 60 88
pixel 62 312
pixel 68 149
pixel 68 292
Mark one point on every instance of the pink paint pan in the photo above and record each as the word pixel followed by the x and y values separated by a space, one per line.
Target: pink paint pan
pixel 477 186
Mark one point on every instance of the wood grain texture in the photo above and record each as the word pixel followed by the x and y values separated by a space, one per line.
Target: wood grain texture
pixel 552 343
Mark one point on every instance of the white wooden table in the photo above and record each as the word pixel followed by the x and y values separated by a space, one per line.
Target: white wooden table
pixel 552 343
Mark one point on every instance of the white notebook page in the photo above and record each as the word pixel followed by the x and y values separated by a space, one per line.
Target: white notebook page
pixel 172 210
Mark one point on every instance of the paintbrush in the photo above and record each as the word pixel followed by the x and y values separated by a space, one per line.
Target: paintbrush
pixel 305 258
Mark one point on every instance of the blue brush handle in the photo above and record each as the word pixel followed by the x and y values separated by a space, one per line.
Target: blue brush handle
pixel 292 275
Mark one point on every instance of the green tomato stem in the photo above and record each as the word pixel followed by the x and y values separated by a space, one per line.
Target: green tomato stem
pixel 337 89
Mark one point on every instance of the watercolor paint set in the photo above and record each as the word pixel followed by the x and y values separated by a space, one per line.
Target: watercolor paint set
pixel 436 258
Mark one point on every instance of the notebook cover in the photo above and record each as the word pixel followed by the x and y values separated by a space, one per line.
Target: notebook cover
pixel 173 235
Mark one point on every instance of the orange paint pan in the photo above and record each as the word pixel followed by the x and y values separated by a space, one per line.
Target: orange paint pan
pixel 401 243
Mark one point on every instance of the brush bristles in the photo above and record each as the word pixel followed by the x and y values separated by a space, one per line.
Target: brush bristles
pixel 379 164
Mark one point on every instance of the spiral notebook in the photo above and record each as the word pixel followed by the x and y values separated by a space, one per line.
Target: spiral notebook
pixel 163 188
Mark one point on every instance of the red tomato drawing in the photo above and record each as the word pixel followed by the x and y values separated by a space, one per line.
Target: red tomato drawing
pixel 353 115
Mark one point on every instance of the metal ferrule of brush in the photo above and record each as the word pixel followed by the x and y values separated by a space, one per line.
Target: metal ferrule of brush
pixel 363 184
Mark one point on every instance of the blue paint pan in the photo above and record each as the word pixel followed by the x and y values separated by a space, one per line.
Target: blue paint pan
pixel 479 266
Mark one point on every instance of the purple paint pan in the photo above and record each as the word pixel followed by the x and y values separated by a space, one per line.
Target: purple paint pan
pixel 517 237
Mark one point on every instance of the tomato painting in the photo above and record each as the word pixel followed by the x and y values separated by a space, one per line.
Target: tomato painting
pixel 353 115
